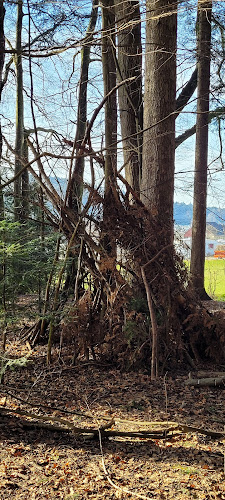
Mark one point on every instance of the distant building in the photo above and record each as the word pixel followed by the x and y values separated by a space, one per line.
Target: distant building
pixel 214 232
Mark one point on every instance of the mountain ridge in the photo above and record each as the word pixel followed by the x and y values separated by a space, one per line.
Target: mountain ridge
pixel 182 211
pixel 183 214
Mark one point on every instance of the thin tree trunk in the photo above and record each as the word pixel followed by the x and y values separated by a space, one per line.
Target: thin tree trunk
pixel 56 295
pixel 109 77
pixel 157 188
pixel 76 184
pixel 44 321
pixel 25 184
pixel 130 95
pixel 19 112
pixel 2 60
pixel 154 328
pixel 201 148
pixel 75 187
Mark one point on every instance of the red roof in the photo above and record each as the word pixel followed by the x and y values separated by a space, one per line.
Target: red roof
pixel 188 233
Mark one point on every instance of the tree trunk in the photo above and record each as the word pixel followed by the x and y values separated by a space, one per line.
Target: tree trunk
pixel 25 184
pixel 2 60
pixel 157 189
pixel 130 95
pixel 109 77
pixel 76 186
pixel 19 113
pixel 201 149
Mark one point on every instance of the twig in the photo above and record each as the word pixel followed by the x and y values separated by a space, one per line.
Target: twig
pixel 123 490
pixel 163 433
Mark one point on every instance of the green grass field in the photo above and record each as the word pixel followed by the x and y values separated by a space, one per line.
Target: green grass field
pixel 214 278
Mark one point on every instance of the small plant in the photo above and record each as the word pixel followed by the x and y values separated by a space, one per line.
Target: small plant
pixel 12 364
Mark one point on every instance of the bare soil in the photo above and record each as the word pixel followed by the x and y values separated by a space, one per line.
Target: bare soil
pixel 36 463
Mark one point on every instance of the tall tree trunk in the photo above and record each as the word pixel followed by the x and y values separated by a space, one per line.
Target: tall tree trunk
pixel 130 95
pixel 76 186
pixel 25 184
pixel 157 189
pixel 19 113
pixel 109 77
pixel 2 60
pixel 201 148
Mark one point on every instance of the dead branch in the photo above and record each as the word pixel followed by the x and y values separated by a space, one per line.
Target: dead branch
pixel 209 374
pixel 154 361
pixel 210 382
pixel 167 430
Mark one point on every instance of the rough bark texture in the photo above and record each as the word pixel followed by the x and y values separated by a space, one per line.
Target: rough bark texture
pixel 19 113
pixel 2 60
pixel 201 150
pixel 159 118
pixel 25 184
pixel 109 77
pixel 130 95
pixel 76 185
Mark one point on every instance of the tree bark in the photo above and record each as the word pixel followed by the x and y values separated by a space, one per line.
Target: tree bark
pixel 109 77
pixel 76 185
pixel 157 189
pixel 128 22
pixel 201 148
pixel 25 184
pixel 2 60
pixel 19 113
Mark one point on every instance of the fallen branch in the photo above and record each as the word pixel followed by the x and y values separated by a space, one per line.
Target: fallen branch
pixel 167 430
pixel 204 374
pixel 210 382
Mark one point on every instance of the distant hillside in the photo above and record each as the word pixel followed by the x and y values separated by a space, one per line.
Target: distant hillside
pixel 183 214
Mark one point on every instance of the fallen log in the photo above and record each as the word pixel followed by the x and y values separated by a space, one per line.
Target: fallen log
pixel 209 374
pixel 202 382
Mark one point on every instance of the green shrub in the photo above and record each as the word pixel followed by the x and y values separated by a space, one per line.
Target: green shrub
pixel 25 260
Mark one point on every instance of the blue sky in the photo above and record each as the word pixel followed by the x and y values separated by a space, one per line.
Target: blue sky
pixel 55 101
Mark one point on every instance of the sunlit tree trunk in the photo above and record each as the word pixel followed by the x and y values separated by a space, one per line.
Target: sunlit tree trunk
pixel 157 188
pixel 25 184
pixel 130 95
pixel 201 148
pixel 2 59
pixel 19 113
pixel 76 185
pixel 109 77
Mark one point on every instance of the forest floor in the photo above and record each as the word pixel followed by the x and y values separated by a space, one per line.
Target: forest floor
pixel 38 463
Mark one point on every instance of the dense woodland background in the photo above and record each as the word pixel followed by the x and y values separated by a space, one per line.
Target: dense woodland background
pixel 101 95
